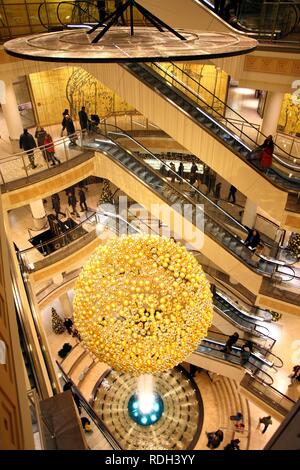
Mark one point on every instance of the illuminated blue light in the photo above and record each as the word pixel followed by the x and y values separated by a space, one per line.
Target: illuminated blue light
pixel 145 419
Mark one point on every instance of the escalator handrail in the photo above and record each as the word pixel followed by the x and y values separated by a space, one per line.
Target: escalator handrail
pixel 124 134
pixel 184 180
pixel 74 4
pixel 226 107
pixel 253 373
pixel 97 420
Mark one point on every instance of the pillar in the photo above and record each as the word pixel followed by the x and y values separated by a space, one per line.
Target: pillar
pixel 11 112
pixel 38 214
pixel 249 215
pixel 66 305
pixel 271 113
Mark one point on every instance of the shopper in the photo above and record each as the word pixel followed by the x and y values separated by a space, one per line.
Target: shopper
pixel 218 191
pixel 245 354
pixel 50 151
pixel 211 182
pixel 230 342
pixel 28 144
pixel 233 445
pixel 232 193
pixel 72 202
pixel 83 119
pixel 82 200
pixel 68 323
pixel 86 424
pixel 180 171
pixel 193 173
pixel 253 238
pixel 69 126
pixel 266 421
pixel 237 417
pixel 40 135
pixel 56 205
pixel 172 173
pixel 214 439
pixel 266 155
pixel 295 375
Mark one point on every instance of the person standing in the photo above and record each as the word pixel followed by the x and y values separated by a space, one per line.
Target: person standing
pixel 233 445
pixel 83 119
pixel 253 238
pixel 232 192
pixel 266 156
pixel 266 421
pixel 28 144
pixel 230 342
pixel 56 205
pixel 40 135
pixel 214 439
pixel 72 202
pixel 82 200
pixel 218 191
pixel 68 324
pixel 180 172
pixel 173 172
pixel 193 173
pixel 211 182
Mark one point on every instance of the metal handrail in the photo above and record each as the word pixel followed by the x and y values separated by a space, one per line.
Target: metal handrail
pixel 122 133
pixel 98 422
pixel 59 237
pixel 191 90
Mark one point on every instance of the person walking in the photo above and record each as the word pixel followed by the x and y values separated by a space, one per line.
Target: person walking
pixel 56 205
pixel 28 144
pixel 40 135
pixel 83 119
pixel 82 200
pixel 72 202
pixel 50 151
pixel 211 182
pixel 266 421
pixel 69 126
pixel 232 192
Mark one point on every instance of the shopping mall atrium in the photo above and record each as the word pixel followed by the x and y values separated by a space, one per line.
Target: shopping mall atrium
pixel 150 225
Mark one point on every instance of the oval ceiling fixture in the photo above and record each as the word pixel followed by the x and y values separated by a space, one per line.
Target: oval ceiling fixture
pixel 119 45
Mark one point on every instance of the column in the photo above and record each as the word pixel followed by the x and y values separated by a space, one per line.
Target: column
pixel 38 214
pixel 66 305
pixel 249 215
pixel 271 113
pixel 11 112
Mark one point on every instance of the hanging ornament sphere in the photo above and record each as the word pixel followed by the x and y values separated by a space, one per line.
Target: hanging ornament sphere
pixel 142 304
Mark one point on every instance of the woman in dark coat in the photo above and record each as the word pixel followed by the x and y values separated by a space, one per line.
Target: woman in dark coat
pixel 267 153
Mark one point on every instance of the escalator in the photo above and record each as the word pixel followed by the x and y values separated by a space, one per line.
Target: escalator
pixel 213 217
pixel 284 173
pixel 265 21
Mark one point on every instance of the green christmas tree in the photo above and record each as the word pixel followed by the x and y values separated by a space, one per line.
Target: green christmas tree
pixel 294 243
pixel 57 323
pixel 106 196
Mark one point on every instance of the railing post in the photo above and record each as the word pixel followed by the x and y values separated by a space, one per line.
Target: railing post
pixel 293 141
pixel 25 167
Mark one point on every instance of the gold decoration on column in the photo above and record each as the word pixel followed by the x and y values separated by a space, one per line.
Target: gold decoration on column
pixel 142 304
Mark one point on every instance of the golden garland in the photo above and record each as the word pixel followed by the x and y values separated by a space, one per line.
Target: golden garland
pixel 142 304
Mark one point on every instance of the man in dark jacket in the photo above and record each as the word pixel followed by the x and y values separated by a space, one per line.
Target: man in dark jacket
pixel 82 200
pixel 83 119
pixel 68 124
pixel 253 238
pixel 232 192
pixel 28 144
pixel 56 205
pixel 72 201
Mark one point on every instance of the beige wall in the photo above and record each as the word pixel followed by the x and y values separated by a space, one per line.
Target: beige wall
pixel 15 422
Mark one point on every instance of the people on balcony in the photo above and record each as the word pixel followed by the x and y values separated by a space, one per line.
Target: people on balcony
pixel 28 144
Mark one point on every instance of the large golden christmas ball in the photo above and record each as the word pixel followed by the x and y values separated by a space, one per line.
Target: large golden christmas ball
pixel 142 304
